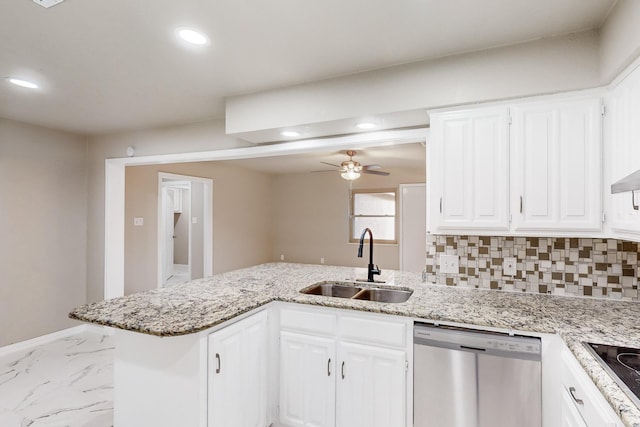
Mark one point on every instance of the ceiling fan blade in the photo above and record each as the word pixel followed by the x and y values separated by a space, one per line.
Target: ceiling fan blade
pixel 325 170
pixel 372 167
pixel 369 171
pixel 330 164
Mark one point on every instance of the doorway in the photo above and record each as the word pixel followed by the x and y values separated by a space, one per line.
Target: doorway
pixel 184 228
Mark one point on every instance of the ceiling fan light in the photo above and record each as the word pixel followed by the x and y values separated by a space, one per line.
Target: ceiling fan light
pixel 350 174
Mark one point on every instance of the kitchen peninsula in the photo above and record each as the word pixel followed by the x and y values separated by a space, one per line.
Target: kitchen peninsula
pixel 171 326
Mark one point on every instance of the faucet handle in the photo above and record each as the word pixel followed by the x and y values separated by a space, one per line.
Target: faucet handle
pixel 376 270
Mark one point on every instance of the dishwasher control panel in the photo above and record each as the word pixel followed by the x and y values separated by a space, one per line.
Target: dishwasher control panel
pixel 490 343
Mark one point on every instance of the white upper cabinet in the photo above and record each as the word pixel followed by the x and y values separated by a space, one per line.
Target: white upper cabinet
pixel 556 166
pixel 623 153
pixel 469 171
pixel 527 168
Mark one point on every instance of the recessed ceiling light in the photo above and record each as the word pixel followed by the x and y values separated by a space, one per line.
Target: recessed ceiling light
pixel 22 83
pixel 192 36
pixel 290 133
pixel 366 125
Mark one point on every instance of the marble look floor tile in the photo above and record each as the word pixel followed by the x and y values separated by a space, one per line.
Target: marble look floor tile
pixel 65 383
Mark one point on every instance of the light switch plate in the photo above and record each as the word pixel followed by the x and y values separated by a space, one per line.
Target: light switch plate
pixel 449 264
pixel 138 221
pixel 509 266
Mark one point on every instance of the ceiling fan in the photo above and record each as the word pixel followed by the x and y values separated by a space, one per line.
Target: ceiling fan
pixel 350 169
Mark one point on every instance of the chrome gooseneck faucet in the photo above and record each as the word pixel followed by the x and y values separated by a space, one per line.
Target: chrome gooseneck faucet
pixel 371 269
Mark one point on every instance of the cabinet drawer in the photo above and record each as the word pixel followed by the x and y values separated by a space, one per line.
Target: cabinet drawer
pixel 385 332
pixel 309 320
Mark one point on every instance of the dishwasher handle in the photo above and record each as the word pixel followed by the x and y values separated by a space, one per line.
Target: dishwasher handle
pixel 475 349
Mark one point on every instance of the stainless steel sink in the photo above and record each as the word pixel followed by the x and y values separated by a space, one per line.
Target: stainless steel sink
pixel 347 290
pixel 332 289
pixel 384 295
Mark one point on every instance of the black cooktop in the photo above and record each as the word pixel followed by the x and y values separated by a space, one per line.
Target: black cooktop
pixel 623 364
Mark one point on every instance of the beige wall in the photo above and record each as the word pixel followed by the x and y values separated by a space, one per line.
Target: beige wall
pixel 241 219
pixel 43 227
pixel 194 137
pixel 311 217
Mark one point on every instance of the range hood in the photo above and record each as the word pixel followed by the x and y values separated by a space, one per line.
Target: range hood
pixel 628 183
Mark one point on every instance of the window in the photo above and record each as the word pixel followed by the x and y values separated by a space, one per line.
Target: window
pixel 375 209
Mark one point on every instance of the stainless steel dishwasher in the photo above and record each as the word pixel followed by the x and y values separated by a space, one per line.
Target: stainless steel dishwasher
pixel 469 378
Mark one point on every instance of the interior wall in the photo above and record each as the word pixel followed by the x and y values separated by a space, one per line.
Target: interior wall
pixel 311 217
pixel 241 221
pixel 43 226
pixel 538 67
pixel 202 136
pixel 620 39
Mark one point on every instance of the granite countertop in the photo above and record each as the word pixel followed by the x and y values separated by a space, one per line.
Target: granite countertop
pixel 201 304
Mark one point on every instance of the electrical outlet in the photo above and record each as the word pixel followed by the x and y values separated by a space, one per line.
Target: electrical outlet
pixel 322 260
pixel 138 221
pixel 509 266
pixel 281 257
pixel 449 264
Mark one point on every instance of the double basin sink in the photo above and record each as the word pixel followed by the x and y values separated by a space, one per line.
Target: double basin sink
pixel 353 291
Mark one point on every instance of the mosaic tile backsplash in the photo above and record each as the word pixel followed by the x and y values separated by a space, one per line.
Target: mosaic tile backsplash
pixel 600 268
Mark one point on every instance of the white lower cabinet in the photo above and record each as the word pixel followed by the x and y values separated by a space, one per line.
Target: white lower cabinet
pixel 237 379
pixel 582 403
pixel 343 370
pixel 371 386
pixel 307 380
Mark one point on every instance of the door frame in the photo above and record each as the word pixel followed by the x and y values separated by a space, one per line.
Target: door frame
pixel 114 202
pixel 207 219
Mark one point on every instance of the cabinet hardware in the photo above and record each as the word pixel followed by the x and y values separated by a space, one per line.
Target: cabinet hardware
pixel 329 367
pixel 633 201
pixel 520 204
pixel 342 370
pixel 218 360
pixel 440 204
pixel 572 391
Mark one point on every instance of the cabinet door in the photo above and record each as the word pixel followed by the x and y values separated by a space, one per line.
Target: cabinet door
pixel 556 166
pixel 307 380
pixel 623 151
pixel 469 171
pixel 371 387
pixel 584 396
pixel 238 374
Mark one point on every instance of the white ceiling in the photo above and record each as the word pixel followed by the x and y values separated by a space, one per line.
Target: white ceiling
pixel 408 156
pixel 114 65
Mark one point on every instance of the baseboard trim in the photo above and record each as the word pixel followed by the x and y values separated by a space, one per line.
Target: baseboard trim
pixel 44 339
